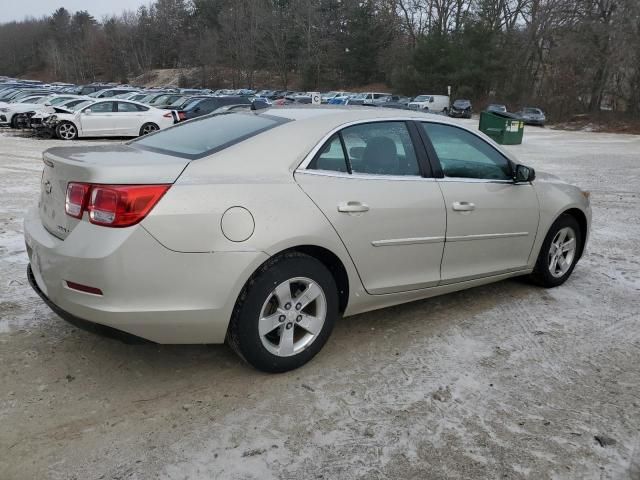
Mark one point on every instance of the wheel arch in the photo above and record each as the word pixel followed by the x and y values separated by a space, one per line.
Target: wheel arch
pixel 581 218
pixel 333 264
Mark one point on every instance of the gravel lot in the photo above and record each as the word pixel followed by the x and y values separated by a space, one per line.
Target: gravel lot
pixel 503 381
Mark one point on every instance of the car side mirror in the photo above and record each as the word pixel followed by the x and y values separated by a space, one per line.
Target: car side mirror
pixel 87 111
pixel 431 100
pixel 524 174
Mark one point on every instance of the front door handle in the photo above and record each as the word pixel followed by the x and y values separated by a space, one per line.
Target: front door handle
pixel 353 207
pixel 463 206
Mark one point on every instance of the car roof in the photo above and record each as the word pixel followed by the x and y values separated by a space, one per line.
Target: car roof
pixel 336 115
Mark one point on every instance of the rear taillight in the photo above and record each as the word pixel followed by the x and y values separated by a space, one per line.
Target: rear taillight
pixel 181 115
pixel 112 205
pixel 76 199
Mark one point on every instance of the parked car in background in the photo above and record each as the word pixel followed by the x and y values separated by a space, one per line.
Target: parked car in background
pixel 88 89
pixel 532 116
pixel 17 114
pixel 368 98
pixel 432 103
pixel 40 120
pixel 203 106
pixel 327 97
pixel 396 101
pixel 341 99
pixel 111 118
pixel 262 229
pixel 461 109
pixel 496 107
pixel 111 92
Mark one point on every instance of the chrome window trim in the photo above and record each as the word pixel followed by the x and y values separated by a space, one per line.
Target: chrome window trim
pixel 475 180
pixel 364 176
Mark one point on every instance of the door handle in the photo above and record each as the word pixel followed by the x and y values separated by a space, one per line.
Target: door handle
pixel 353 207
pixel 463 206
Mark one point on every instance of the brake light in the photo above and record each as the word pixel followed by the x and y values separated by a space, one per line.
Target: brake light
pixel 181 115
pixel 113 205
pixel 76 199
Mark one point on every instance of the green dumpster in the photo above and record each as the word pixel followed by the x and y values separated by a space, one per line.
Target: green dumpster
pixel 503 128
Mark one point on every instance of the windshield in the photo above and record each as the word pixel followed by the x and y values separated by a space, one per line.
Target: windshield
pixel 209 134
pixel 59 100
pixel 532 110
pixel 360 96
pixel 330 94
pixel 29 100
pixel 96 93
pixel 422 98
pixel 80 105
pixel 158 100
pixel 192 104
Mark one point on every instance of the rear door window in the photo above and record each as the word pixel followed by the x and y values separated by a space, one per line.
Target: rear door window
pixel 130 107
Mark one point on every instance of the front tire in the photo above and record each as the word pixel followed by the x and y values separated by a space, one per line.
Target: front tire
pixel 559 253
pixel 66 131
pixel 148 128
pixel 285 313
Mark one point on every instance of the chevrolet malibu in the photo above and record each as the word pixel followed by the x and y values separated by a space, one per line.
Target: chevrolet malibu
pixel 262 229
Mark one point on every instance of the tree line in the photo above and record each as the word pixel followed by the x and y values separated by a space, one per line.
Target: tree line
pixel 565 55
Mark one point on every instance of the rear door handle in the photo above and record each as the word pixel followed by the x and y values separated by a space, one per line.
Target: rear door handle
pixel 463 206
pixel 353 207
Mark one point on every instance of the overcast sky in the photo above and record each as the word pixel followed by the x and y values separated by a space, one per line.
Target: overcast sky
pixel 18 9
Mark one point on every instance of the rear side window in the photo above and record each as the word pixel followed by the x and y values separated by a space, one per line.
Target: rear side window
pixel 330 157
pixel 206 135
pixel 130 107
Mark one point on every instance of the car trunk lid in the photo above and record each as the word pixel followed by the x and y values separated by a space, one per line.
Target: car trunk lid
pixel 107 164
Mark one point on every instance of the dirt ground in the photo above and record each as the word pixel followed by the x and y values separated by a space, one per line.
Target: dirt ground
pixel 502 381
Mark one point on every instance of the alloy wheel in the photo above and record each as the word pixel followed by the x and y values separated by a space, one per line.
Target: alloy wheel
pixel 149 128
pixel 292 316
pixel 67 131
pixel 562 252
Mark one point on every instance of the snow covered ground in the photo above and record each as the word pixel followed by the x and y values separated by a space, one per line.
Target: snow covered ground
pixel 502 381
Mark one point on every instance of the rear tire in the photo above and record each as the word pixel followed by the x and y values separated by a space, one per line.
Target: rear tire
pixel 148 128
pixel 66 131
pixel 559 253
pixel 274 325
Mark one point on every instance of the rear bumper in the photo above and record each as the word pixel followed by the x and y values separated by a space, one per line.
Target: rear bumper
pixel 81 322
pixel 148 290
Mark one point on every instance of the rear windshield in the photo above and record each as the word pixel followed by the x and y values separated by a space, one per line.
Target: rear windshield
pixel 209 134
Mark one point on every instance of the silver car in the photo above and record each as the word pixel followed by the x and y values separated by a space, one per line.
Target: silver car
pixel 262 228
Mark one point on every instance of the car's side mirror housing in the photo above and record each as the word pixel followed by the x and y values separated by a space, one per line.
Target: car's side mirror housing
pixel 87 111
pixel 524 174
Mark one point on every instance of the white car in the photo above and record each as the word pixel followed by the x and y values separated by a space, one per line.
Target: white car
pixel 41 119
pixel 111 118
pixel 262 228
pixel 431 103
pixel 32 104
